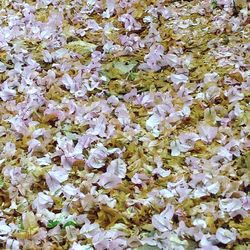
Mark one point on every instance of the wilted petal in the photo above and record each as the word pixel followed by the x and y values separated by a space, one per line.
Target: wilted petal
pixel 224 153
pixel 200 223
pixel 2 67
pixel 211 77
pixel 47 57
pixel 122 114
pixel 33 144
pixel 139 178
pixel 162 172
pixel 177 148
pixel 213 188
pixel 29 221
pixel 53 184
pixel 129 22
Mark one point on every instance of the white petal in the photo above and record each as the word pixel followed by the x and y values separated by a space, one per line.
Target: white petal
pixel 4 229
pixel 162 221
pixel 153 122
pixel 118 168
pixel 225 236
pixel 109 180
pixel 59 174
pixel 214 188
pixel 177 79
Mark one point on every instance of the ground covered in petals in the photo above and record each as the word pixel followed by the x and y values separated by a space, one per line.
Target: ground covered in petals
pixel 124 124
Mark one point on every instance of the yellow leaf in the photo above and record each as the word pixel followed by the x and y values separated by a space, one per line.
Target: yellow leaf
pixel 210 223
pixel 107 216
pixel 81 47
pixel 237 76
pixel 243 228
pixel 29 221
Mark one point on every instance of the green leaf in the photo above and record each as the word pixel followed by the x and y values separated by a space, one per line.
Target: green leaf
pixel 52 223
pixel 118 69
pixel 124 67
pixel 241 247
pixel 1 182
pixel 214 4
pixel 81 47
pixel 70 223
pixel 20 223
pixel 147 247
